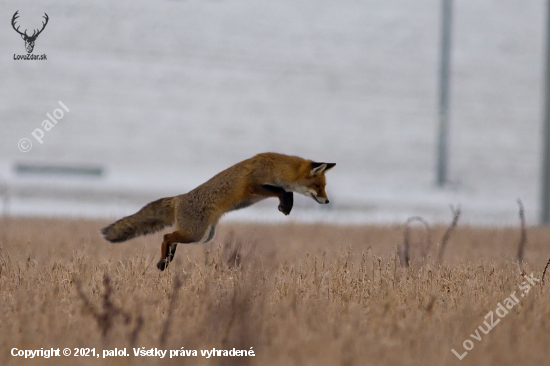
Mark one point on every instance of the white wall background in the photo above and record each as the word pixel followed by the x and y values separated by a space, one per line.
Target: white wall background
pixel 165 94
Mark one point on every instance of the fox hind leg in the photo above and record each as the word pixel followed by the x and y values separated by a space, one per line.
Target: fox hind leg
pixel 168 247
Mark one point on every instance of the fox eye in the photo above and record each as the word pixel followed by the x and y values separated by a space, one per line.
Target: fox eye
pixel 318 186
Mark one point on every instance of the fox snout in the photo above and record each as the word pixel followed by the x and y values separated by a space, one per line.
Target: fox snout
pixel 321 200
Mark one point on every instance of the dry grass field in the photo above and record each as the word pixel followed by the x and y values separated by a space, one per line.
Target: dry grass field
pixel 296 294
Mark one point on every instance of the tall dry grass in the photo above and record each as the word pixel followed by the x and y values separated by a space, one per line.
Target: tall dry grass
pixel 297 294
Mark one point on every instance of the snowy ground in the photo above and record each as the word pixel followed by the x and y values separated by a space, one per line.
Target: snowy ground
pixel 165 94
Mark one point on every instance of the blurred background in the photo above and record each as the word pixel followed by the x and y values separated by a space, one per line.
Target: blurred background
pixel 163 95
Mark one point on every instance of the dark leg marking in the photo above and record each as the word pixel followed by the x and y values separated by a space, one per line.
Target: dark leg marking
pixel 286 203
pixel 286 199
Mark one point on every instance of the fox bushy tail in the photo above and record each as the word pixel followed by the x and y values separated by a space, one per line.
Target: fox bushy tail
pixel 153 217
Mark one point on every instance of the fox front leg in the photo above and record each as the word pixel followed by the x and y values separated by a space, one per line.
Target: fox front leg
pixel 286 199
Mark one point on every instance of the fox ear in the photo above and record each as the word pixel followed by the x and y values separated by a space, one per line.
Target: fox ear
pixel 319 168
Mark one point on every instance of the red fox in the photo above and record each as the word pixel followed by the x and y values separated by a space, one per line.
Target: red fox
pixel 197 212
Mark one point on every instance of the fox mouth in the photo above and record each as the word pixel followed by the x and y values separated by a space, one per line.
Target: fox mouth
pixel 317 199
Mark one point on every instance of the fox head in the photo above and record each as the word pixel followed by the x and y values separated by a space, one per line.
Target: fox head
pixel 314 183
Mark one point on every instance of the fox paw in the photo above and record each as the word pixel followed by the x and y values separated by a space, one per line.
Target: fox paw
pixel 285 209
pixel 162 264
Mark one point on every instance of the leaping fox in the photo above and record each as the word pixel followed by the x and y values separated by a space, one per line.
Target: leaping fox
pixel 197 212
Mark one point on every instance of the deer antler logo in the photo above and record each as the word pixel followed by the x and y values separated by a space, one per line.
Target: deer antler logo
pixel 29 40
